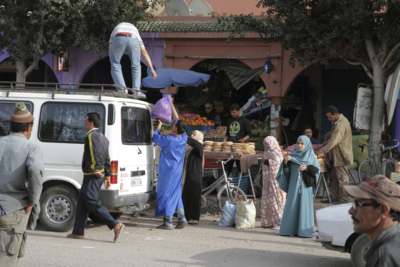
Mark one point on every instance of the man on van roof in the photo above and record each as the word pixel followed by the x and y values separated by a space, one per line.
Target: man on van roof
pixel 169 189
pixel 20 161
pixel 95 164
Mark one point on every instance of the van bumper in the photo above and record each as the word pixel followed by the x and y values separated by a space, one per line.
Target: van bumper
pixel 112 199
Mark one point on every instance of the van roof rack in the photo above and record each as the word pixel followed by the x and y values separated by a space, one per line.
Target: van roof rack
pixel 70 88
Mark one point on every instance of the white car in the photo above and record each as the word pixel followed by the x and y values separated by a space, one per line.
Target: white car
pixel 335 232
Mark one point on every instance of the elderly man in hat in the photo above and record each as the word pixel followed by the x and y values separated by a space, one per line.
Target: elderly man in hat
pixel 21 178
pixel 376 213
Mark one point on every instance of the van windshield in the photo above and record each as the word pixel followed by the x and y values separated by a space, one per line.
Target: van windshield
pixel 6 110
pixel 135 126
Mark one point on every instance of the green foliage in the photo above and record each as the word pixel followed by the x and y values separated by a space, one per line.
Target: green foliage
pixel 319 30
pixel 34 28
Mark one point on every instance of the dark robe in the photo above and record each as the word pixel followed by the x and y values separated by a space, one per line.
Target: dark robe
pixel 191 194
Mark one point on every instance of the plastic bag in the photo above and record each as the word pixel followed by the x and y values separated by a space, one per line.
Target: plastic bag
pixel 162 109
pixel 245 215
pixel 228 214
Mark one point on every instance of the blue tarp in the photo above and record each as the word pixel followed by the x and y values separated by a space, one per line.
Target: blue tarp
pixel 174 77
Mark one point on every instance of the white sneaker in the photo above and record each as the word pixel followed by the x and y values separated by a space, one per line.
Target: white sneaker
pixel 276 227
pixel 141 95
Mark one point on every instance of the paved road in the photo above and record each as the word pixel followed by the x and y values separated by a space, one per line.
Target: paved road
pixel 203 245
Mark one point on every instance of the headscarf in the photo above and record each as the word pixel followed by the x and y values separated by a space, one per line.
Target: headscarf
pixel 198 136
pixel 306 156
pixel 274 152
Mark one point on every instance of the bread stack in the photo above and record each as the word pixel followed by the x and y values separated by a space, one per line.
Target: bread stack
pixel 227 147
pixel 208 146
pixel 252 148
pixel 245 149
pixel 217 147
pixel 237 148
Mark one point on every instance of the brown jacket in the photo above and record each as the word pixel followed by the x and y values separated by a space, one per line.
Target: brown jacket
pixel 340 143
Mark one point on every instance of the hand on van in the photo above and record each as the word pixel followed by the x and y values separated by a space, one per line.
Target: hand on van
pixel 107 184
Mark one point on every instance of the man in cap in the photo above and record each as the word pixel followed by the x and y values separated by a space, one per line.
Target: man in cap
pixel 376 213
pixel 21 162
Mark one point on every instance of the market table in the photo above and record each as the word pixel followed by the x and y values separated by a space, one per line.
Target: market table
pixel 324 169
pixel 245 162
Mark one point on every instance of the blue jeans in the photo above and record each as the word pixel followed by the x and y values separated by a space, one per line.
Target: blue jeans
pixel 181 216
pixel 119 46
pixel 88 201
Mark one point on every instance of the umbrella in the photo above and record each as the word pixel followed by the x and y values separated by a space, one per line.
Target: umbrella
pixel 174 77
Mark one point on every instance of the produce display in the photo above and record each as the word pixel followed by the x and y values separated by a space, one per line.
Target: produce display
pixel 198 121
pixel 219 132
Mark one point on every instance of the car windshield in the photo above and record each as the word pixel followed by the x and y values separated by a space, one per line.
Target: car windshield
pixel 135 126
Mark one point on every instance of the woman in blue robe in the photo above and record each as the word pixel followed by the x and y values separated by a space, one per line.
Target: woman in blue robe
pixel 298 176
pixel 169 188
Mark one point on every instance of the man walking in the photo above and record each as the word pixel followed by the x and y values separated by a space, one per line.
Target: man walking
pixel 238 131
pixel 169 188
pixel 95 163
pixel 341 144
pixel 20 161
pixel 125 38
pixel 376 213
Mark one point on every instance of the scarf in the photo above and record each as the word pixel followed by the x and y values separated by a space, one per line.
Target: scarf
pixel 274 151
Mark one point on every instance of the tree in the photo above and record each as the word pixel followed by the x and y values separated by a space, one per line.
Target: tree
pixel 360 32
pixel 31 29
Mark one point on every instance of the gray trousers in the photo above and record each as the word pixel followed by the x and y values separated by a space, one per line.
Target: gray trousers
pixel 13 237
pixel 340 178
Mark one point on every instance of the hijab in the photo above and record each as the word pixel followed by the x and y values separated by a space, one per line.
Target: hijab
pixel 306 156
pixel 274 150
pixel 198 136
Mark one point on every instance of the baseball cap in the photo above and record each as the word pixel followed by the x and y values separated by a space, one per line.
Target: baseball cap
pixel 378 188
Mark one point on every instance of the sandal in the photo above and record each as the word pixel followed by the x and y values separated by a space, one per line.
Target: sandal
pixel 75 236
pixel 165 227
pixel 181 224
pixel 117 233
pixel 195 223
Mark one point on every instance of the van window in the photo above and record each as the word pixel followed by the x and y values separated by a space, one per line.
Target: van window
pixel 65 122
pixel 135 126
pixel 6 110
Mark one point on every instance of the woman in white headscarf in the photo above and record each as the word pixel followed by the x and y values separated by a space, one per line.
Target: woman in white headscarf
pixel 273 198
pixel 192 177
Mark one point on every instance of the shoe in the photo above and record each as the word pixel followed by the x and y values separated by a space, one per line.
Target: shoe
pixel 276 227
pixel 117 233
pixel 339 202
pixel 75 236
pixel 164 227
pixel 181 224
pixel 141 95
pixel 195 223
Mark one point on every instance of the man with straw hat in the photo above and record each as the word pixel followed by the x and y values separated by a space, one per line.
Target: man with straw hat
pixel 376 213
pixel 21 178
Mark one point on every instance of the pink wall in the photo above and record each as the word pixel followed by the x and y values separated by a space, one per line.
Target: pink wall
pixel 234 7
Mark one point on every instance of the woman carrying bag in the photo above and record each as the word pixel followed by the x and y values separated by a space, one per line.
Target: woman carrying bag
pixel 298 176
pixel 273 198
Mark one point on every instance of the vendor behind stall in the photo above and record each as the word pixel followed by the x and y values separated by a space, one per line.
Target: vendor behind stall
pixel 211 114
pixel 238 130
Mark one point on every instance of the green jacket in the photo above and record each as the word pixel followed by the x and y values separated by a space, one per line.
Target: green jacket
pixel 340 143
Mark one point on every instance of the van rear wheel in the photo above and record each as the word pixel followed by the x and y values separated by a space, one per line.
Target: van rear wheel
pixel 115 215
pixel 58 208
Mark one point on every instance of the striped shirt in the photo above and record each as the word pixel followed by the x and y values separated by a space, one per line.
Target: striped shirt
pixel 125 28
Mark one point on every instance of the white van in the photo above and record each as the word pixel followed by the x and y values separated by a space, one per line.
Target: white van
pixel 60 133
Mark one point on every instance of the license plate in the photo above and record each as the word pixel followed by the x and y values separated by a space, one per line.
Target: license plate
pixel 136 182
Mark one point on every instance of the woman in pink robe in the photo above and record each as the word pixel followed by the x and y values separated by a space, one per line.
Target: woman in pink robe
pixel 273 198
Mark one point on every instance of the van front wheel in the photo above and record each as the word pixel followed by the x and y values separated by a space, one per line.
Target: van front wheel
pixel 58 208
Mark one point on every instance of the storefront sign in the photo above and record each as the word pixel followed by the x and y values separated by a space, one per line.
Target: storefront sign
pixel 363 108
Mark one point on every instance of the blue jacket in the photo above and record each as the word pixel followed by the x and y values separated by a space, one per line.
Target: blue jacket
pixel 95 156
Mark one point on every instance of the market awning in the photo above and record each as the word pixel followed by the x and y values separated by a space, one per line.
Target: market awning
pixel 239 73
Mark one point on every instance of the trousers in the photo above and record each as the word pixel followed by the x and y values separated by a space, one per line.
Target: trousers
pixel 13 237
pixel 229 166
pixel 131 46
pixel 340 178
pixel 88 201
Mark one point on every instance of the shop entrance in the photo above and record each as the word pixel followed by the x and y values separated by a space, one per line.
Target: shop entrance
pixel 223 86
pixel 313 91
pixel 42 74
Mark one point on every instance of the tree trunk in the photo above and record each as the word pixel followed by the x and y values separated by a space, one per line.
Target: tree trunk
pixel 21 77
pixel 378 109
